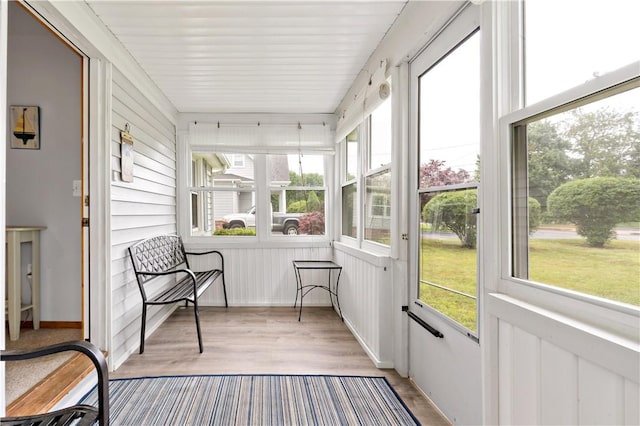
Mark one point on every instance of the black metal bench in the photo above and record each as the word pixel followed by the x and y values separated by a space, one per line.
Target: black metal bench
pixel 164 255
pixel 78 414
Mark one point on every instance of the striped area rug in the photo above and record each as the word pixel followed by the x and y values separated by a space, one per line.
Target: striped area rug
pixel 254 400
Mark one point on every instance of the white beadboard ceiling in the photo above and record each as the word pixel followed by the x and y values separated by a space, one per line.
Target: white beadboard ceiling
pixel 251 56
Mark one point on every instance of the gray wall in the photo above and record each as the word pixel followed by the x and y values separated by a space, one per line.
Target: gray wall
pixel 43 71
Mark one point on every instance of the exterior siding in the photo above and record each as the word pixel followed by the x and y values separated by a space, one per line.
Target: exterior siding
pixel 142 208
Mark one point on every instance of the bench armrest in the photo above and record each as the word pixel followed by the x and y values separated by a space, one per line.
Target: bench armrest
pixel 192 253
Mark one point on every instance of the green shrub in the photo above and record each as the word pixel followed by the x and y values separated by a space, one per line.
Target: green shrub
pixel 596 205
pixel 453 210
pixel 297 207
pixel 235 231
pixel 535 215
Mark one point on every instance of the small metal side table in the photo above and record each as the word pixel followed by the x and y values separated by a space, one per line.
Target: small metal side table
pixel 302 289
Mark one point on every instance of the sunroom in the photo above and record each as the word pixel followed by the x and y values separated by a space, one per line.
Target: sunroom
pixel 472 167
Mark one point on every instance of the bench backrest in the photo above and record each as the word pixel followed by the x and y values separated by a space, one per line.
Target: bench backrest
pixel 157 254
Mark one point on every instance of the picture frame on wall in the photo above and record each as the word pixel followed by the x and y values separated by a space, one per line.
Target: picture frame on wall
pixel 25 127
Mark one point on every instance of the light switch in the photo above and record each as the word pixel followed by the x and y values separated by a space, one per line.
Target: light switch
pixel 77 188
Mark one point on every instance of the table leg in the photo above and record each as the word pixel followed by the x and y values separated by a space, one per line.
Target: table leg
pixel 14 295
pixel 35 279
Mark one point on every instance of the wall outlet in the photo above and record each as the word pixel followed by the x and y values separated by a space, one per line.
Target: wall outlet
pixel 77 188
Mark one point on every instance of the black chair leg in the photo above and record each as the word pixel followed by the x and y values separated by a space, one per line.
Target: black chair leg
pixel 195 312
pixel 142 329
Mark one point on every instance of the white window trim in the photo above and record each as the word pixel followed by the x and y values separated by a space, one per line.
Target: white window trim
pixel 363 172
pixel 620 318
pixel 264 238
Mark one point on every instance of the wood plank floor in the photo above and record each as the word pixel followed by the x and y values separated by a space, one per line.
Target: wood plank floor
pixel 265 341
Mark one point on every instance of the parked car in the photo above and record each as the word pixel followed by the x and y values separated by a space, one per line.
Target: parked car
pixel 287 223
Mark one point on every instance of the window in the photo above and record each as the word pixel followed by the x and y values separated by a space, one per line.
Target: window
pixel 349 210
pixel 377 222
pixel 368 165
pixel 238 160
pixel 297 188
pixel 449 144
pixel 575 155
pixel 576 195
pixel 380 144
pixel 350 185
pixel 223 195
pixel 599 42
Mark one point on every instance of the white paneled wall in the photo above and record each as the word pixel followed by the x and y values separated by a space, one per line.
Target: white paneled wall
pixel 139 209
pixel 366 295
pixel 263 276
pixel 562 374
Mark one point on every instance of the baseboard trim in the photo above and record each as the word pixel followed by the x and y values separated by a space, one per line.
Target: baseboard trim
pixel 53 324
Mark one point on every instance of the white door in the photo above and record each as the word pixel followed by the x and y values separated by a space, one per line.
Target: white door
pixel 444 352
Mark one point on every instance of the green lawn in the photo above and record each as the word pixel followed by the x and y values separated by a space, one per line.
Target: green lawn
pixel 612 272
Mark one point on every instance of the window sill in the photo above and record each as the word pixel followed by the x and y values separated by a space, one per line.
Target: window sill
pixel 377 259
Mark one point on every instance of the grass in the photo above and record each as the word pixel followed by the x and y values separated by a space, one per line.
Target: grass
pixel 612 272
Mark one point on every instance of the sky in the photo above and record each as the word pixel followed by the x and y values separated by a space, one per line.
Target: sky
pixel 568 42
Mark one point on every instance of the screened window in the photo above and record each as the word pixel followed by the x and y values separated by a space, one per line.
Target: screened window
pixel 449 143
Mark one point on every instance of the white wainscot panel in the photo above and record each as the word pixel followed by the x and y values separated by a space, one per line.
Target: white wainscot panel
pixel 366 296
pixel 263 276
pixel 447 369
pixel 554 371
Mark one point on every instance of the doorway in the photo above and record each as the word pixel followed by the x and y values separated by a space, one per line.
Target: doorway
pixel 444 351
pixel 44 186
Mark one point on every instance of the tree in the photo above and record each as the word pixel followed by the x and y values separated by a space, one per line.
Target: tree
pixel 605 142
pixel 313 202
pixel 453 209
pixel 309 180
pixel 597 205
pixel 548 160
pixel 435 173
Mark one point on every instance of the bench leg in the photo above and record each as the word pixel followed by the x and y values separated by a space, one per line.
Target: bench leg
pixel 195 312
pixel 144 324
pixel 224 289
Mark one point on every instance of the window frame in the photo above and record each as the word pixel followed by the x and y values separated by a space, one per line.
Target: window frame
pixel 364 171
pixel 465 25
pixel 262 196
pixel 581 306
